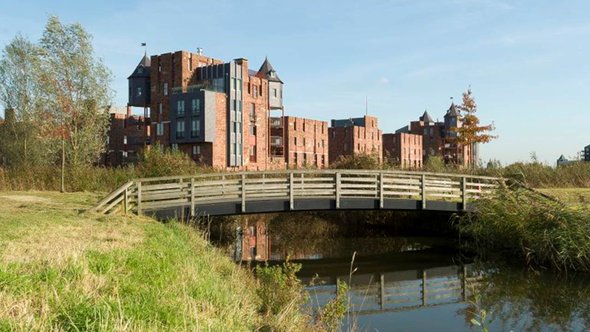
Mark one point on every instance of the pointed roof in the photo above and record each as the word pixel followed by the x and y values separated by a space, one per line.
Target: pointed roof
pixel 268 72
pixel 426 117
pixel 143 67
pixel 452 111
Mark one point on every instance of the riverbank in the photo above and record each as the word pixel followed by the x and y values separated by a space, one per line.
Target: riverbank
pixel 541 231
pixel 64 269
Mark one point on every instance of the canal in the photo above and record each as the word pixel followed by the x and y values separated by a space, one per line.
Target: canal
pixel 399 281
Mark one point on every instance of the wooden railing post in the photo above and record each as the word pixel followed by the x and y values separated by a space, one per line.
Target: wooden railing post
pixel 464 283
pixel 423 191
pixel 139 198
pixel 126 200
pixel 192 197
pixel 243 192
pixel 291 192
pixel 338 178
pixel 381 194
pixel 464 193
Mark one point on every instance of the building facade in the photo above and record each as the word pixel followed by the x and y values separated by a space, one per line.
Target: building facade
pixel 355 136
pixel 439 139
pixel 126 138
pixel 217 112
pixel 306 142
pixel 403 149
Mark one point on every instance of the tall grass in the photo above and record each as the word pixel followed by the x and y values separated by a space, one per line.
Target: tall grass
pixel 542 232
pixel 65 271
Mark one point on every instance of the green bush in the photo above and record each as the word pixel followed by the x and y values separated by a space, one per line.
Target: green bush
pixel 360 161
pixel 279 288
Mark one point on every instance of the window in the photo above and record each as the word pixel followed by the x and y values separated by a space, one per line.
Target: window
pixel 160 112
pixel 303 141
pixel 180 129
pixel 174 146
pixel 159 129
pixel 303 126
pixel 252 130
pixel 252 112
pixel 196 150
pixel 255 92
pixel 165 88
pixel 195 128
pixel 196 106
pixel 274 91
pixel 180 108
pixel 295 141
pixel 139 91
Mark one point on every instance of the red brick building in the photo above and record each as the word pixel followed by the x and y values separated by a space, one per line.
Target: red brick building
pixel 403 149
pixel 217 112
pixel 349 137
pixel 306 142
pixel 439 139
pixel 126 138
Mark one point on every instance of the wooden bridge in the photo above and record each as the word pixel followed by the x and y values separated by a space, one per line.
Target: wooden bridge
pixel 218 194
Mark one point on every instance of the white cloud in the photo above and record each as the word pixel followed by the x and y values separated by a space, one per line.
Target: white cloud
pixel 384 80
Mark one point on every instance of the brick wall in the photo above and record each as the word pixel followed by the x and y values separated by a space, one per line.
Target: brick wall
pixel 356 139
pixel 306 142
pixel 403 149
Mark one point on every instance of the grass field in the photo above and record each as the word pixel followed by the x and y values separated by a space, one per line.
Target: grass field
pixel 574 196
pixel 62 269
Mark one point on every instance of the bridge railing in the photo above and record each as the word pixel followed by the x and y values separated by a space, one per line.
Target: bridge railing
pixel 152 194
pixel 189 191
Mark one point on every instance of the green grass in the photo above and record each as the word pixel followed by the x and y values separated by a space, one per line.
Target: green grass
pixel 571 196
pixel 542 232
pixel 65 270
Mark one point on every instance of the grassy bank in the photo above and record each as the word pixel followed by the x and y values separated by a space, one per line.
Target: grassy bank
pixel 542 232
pixel 65 270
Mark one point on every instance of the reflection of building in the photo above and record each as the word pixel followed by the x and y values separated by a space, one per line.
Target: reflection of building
pixel 255 241
pixel 403 149
pixel 350 137
pixel 306 142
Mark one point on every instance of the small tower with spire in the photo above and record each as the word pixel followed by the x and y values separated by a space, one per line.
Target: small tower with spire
pixel 139 84
pixel 275 85
pixel 451 120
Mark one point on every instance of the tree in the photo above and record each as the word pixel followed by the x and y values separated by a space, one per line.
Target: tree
pixel 76 88
pixel 20 95
pixel 470 132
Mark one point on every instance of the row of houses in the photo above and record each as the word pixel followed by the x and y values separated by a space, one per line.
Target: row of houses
pixel 228 116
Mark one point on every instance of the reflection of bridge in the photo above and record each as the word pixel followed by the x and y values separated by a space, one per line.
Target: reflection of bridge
pixel 302 190
pixel 400 290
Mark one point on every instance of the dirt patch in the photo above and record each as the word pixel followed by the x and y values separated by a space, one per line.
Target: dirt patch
pixel 26 199
pixel 59 244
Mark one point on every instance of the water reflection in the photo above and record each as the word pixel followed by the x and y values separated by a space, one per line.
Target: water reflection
pixel 417 284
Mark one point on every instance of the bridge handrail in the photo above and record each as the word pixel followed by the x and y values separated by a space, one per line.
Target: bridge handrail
pixel 323 171
pixel 112 199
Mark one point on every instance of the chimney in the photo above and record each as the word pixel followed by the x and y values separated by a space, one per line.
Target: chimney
pixel 199 51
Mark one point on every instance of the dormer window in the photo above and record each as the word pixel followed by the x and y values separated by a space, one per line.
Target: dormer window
pixel 272 73
pixel 140 70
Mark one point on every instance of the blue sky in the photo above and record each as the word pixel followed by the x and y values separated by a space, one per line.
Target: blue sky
pixel 527 61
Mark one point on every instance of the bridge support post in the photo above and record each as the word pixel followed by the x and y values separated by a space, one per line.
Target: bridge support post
pixel 139 198
pixel 464 193
pixel 243 193
pixel 291 192
pixel 192 197
pixel 338 190
pixel 381 200
pixel 423 191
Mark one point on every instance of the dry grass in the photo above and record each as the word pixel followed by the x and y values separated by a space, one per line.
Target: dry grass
pixel 65 270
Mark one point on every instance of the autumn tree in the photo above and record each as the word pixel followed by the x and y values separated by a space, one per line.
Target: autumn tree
pixel 470 132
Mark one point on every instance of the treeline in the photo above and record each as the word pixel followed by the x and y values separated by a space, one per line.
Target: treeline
pixel 56 96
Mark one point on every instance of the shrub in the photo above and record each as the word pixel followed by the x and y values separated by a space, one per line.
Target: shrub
pixel 361 161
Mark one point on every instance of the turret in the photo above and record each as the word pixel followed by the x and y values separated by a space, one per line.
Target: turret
pixel 139 84
pixel 275 85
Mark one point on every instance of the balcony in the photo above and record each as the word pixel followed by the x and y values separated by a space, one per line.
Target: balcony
pixel 276 141
pixel 276 122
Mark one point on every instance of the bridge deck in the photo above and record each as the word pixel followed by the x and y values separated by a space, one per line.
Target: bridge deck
pixel 259 192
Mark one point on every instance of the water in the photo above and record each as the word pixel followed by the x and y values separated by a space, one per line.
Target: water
pixel 401 283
